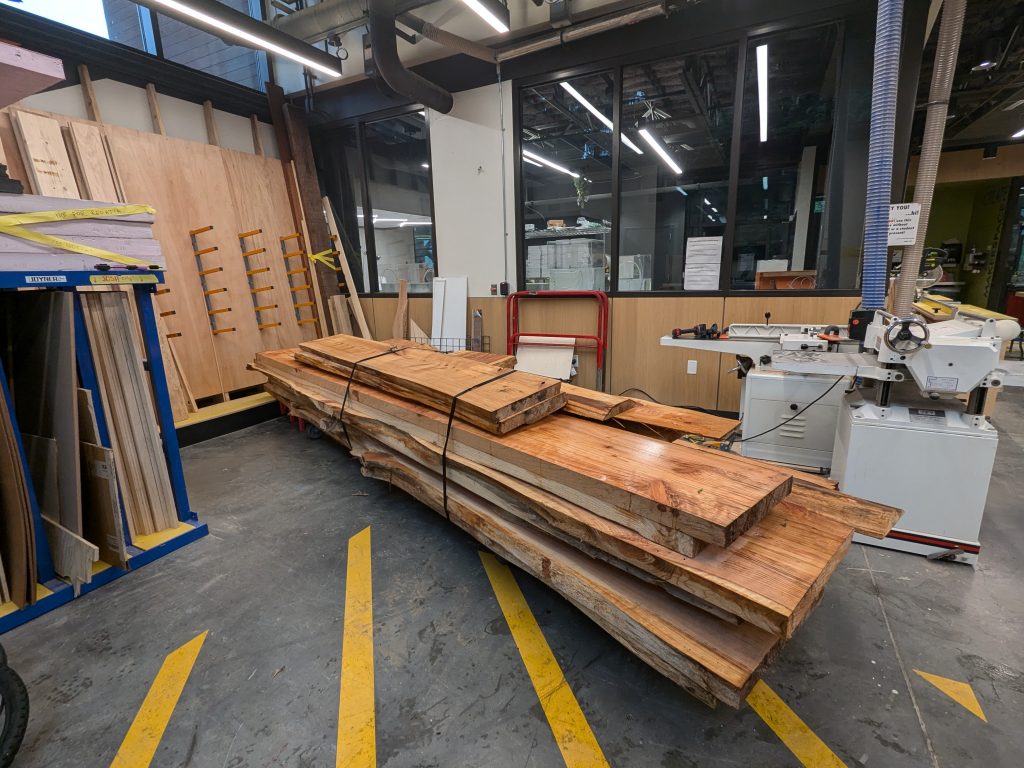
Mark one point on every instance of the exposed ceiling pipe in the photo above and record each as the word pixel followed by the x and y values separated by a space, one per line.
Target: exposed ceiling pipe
pixel 642 12
pixel 384 47
pixel 447 39
pixel 325 18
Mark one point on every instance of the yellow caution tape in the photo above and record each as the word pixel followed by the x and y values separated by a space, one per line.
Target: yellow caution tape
pixel 322 258
pixel 11 224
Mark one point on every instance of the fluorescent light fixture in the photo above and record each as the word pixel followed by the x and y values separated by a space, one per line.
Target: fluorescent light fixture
pixel 681 191
pixel 599 115
pixel 687 147
pixel 423 112
pixel 712 218
pixel 544 161
pixel 378 220
pixel 416 224
pixel 707 202
pixel 714 209
pixel 662 152
pixel 1013 105
pixel 532 162
pixel 241 34
pixel 764 183
pixel 1018 134
pixel 424 165
pixel 762 89
pixel 493 13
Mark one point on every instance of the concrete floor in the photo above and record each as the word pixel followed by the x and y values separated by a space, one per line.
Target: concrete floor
pixel 268 584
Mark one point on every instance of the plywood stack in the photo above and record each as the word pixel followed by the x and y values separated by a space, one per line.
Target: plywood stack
pixel 700 564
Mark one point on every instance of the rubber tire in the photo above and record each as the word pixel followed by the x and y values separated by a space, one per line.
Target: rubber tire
pixel 3 655
pixel 15 699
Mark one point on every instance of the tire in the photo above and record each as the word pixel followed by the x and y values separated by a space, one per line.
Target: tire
pixel 13 714
pixel 3 656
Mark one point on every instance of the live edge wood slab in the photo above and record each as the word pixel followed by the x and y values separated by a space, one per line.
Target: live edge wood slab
pixel 665 492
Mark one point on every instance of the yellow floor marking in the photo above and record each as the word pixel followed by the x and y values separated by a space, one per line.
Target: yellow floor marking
pixel 794 733
pixel 575 740
pixel 357 721
pixel 961 693
pixel 150 540
pixel 148 727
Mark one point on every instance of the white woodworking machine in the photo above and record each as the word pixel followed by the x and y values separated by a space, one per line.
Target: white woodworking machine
pixel 899 417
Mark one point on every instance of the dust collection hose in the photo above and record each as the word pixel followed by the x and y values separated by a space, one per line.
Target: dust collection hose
pixel 931 146
pixel 888 35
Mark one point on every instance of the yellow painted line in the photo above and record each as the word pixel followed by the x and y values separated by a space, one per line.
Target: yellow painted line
pixel 357 720
pixel 575 740
pixel 150 540
pixel 143 737
pixel 961 693
pixel 794 733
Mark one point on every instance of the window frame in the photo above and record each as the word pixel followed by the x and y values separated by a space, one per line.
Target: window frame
pixel 742 38
pixel 371 245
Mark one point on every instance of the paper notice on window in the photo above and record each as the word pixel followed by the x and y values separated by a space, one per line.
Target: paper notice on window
pixel 703 263
pixel 903 221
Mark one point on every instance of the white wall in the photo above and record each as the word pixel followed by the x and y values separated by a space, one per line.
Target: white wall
pixel 127 106
pixel 473 233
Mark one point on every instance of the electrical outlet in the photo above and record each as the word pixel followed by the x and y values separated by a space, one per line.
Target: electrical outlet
pixel 691 366
pixel 575 361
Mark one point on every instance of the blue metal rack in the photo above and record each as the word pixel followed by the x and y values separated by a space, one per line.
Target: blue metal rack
pixel 52 592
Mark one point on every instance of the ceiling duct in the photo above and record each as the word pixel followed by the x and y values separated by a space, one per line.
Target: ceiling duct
pixel 325 18
pixel 384 48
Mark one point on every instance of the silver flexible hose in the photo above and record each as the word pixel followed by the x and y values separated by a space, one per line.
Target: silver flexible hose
pixel 931 147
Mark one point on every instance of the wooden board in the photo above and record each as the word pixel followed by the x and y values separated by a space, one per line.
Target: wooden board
pixel 24 72
pixel 17 535
pixel 101 515
pixel 435 379
pixel 88 146
pixel 129 409
pixel 341 321
pixel 591 404
pixel 41 454
pixel 867 517
pixel 647 485
pixel 346 271
pixel 683 421
pixel 400 326
pixel 44 378
pixel 46 158
pixel 711 658
pixel 72 555
pixel 771 576
pixel 490 358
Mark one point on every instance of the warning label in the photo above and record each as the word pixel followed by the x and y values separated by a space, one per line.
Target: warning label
pixel 927 416
pixel 903 220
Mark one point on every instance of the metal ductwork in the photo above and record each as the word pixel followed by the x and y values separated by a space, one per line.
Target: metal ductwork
pixel 325 18
pixel 384 46
pixel 447 39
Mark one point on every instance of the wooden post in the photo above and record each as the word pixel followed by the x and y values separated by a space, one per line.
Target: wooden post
pixel 257 140
pixel 154 110
pixel 92 105
pixel 211 124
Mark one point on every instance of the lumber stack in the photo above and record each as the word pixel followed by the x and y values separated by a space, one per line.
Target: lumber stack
pixel 700 564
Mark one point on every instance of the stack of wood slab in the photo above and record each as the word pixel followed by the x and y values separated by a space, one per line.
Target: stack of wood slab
pixel 700 563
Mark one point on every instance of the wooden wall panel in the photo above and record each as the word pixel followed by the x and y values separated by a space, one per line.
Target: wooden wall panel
pixel 639 360
pixel 784 309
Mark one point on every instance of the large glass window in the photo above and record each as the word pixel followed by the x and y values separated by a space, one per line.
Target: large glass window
pixel 789 96
pixel 398 233
pixel 116 20
pixel 566 143
pixel 676 128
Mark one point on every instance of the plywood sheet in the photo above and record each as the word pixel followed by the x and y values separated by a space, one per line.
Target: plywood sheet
pixel 101 515
pixel 46 157
pixel 17 536
pixel 88 146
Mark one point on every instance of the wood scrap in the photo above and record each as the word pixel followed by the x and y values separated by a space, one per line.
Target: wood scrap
pixel 129 409
pixel 667 420
pixel 17 534
pixel 418 334
pixel 400 326
pixel 341 321
pixel 41 454
pixel 591 404
pixel 434 380
pixel 867 517
pixel 490 358
pixel 72 555
pixel 24 72
pixel 346 271
pixel 101 516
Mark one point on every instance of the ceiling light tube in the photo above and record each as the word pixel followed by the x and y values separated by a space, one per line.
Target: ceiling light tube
pixel 190 12
pixel 599 115
pixel 532 162
pixel 416 224
pixel 494 13
pixel 662 152
pixel 1019 134
pixel 544 161
pixel 762 89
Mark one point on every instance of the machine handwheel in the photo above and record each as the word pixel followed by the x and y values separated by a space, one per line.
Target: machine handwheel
pixel 906 335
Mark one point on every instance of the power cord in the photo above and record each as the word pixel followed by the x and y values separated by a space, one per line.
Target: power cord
pixel 658 402
pixel 784 423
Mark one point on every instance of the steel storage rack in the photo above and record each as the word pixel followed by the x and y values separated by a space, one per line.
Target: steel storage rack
pixel 51 592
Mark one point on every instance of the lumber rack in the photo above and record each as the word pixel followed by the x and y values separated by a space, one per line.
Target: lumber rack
pixel 51 591
pixel 597 341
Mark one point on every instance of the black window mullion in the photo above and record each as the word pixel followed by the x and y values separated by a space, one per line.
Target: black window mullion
pixel 725 279
pixel 613 273
pixel 371 246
